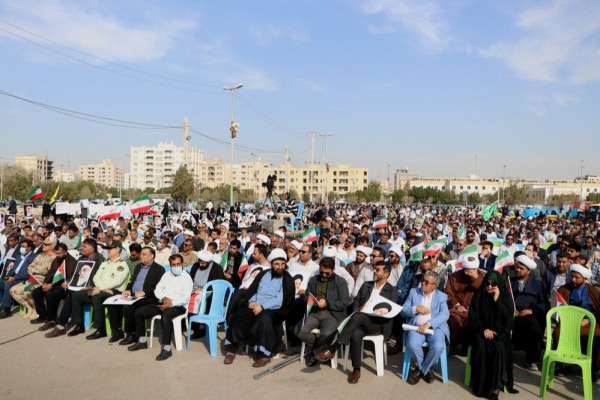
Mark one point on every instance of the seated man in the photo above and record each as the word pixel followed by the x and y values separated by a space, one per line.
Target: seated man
pixel 530 322
pixel 17 274
pixel 109 279
pixel 331 292
pixel 460 289
pixel 261 312
pixel 360 262
pixel 173 291
pixel 361 325
pixel 579 293
pixel 146 276
pixel 427 308
pixel 556 277
pixel 202 272
pixel 54 288
pixel 38 269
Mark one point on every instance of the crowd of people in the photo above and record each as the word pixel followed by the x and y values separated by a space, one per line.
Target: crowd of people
pixel 465 282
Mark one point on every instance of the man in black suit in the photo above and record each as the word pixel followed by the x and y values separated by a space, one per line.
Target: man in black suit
pixel 361 325
pixel 232 266
pixel 12 205
pixel 487 260
pixel 146 276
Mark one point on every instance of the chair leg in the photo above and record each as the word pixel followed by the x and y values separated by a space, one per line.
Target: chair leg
pixel 302 348
pixel 544 377
pixel 379 361
pixel 211 337
pixel 586 373
pixel 444 366
pixel 177 334
pixel 468 368
pixel 406 363
pixel 346 350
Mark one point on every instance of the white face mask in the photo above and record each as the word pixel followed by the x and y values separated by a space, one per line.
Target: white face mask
pixel 159 245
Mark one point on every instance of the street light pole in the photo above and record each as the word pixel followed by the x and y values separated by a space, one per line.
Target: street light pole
pixel 233 128
pixel 503 179
pixel 581 185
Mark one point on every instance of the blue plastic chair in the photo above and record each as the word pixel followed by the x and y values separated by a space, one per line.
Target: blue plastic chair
pixel 221 295
pixel 293 225
pixel 443 360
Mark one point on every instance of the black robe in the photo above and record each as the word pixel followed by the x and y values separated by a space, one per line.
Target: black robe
pixel 491 360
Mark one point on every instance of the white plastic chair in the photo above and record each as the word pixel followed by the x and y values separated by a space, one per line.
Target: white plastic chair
pixel 334 360
pixel 177 334
pixel 380 352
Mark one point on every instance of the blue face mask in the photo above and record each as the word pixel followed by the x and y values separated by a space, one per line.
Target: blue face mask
pixel 22 251
pixel 177 270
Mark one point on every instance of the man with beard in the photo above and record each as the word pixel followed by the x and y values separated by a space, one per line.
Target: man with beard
pixel 262 311
pixel 232 265
pixel 581 294
pixel 354 268
pixel 460 289
pixel 202 272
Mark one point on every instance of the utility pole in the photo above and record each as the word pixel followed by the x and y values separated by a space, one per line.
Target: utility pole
pixel 186 139
pixel 503 180
pixel 325 172
pixel 287 169
pixel 581 185
pixel 312 162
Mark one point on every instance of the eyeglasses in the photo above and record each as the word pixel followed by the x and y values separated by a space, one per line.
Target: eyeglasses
pixel 378 269
pixel 326 274
pixel 426 282
pixel 491 283
pixel 303 251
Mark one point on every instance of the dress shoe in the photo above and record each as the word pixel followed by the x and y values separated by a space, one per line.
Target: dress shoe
pixel 46 326
pixel 116 336
pixel 493 396
pixel 38 320
pixel 138 346
pixel 5 314
pixel 229 357
pixel 310 360
pixel 428 377
pixel 96 335
pixel 413 377
pixel 129 339
pixel 512 390
pixel 325 355
pixel 78 329
pixel 261 362
pixel 354 376
pixel 395 350
pixel 55 333
pixel 164 354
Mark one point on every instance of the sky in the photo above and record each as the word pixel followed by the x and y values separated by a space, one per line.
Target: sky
pixel 417 84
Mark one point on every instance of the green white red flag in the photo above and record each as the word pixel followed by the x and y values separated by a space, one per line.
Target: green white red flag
pixel 224 258
pixel 380 222
pixel 343 324
pixel 312 300
pixel 140 205
pixel 36 193
pixel 434 247
pixel 504 259
pixel 462 232
pixel 155 208
pixel 418 247
pixel 60 274
pixel 309 235
pixel 471 250
pixel 243 266
pixel 114 213
pixel 560 301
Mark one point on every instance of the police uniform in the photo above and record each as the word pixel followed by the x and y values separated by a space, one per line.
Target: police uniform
pixel 111 275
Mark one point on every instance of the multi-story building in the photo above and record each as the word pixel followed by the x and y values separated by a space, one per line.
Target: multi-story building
pixel 104 173
pixel 41 167
pixel 155 166
pixel 63 176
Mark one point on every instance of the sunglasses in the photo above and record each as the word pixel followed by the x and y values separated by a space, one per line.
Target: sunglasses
pixel 491 283
pixel 326 274
pixel 303 251
pixel 426 282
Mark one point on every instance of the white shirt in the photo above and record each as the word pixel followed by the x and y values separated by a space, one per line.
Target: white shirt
pixel 176 288
pixel 366 274
pixel 426 302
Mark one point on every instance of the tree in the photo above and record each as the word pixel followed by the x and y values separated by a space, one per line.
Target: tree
pixel 593 197
pixel 331 196
pixel 183 187
pixel 514 194
pixel 18 186
pixel 305 197
pixel 247 196
pixel 294 194
pixel 474 198
pixel 560 199
pixel 373 192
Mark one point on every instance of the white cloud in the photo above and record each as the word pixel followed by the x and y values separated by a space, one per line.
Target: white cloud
pixel 267 34
pixel 423 18
pixel 252 78
pixel 560 42
pixel 102 35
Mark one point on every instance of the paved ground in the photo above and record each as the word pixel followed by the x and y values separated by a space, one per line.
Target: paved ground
pixel 36 367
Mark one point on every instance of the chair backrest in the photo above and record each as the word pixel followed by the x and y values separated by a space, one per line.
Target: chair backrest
pixel 569 341
pixel 300 210
pixel 188 269
pixel 167 268
pixel 219 298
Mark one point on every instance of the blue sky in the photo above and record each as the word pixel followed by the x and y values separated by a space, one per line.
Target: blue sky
pixel 422 84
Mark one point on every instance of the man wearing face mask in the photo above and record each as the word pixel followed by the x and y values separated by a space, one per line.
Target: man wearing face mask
pixel 173 292
pixel 17 274
pixel 460 289
pixel 331 292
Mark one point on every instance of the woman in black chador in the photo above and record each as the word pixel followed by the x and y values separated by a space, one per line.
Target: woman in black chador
pixel 491 316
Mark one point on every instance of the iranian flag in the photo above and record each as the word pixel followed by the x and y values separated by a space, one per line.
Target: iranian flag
pixel 312 300
pixel 560 301
pixel 243 266
pixel 115 212
pixel 434 247
pixel 470 251
pixel 60 274
pixel 462 232
pixel 31 283
pixel 416 251
pixel 309 235
pixel 36 193
pixel 140 205
pixel 155 208
pixel 343 324
pixel 504 259
pixel 224 258
pixel 380 222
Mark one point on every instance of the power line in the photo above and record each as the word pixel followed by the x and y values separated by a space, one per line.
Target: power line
pixel 237 146
pixel 107 69
pixel 270 120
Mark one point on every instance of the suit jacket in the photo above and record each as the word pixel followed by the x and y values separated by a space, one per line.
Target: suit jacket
pixel 337 297
pixel 489 264
pixel 439 310
pixel 154 274
pixel 235 279
pixel 387 291
pixel 23 274
pixel 289 295
pixel 70 265
pixel 216 271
